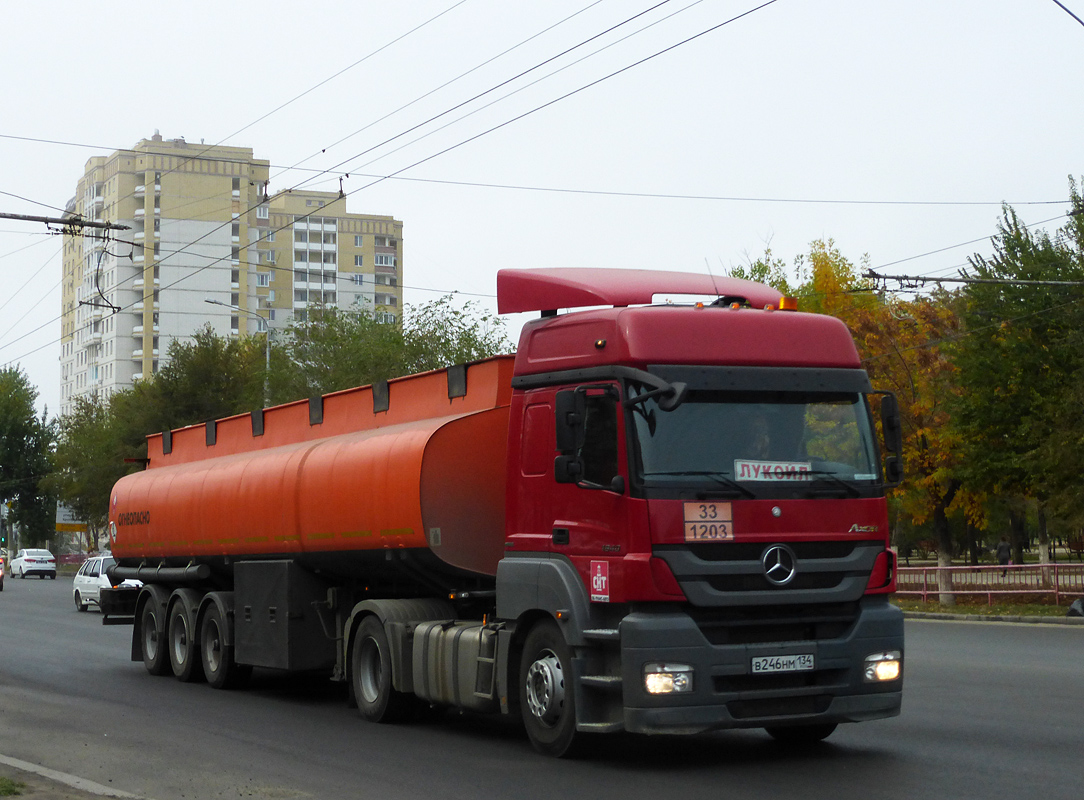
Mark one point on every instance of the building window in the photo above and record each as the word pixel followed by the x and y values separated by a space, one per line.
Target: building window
pixel 235 254
pixel 329 258
pixel 384 260
pixel 301 256
pixel 357 240
pixel 301 236
pixel 270 236
pixel 262 212
pixel 359 280
pixel 263 279
pixel 359 261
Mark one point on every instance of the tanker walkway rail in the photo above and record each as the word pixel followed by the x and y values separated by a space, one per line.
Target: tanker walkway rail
pixel 1062 582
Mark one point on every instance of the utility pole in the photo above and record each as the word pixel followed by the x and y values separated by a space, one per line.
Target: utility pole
pixel 69 225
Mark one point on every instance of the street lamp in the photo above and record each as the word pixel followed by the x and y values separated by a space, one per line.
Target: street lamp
pixel 267 343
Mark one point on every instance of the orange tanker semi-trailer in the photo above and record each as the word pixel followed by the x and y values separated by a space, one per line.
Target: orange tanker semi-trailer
pixel 577 535
pixel 253 533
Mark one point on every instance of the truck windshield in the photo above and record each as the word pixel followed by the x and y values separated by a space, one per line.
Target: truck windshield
pixel 756 444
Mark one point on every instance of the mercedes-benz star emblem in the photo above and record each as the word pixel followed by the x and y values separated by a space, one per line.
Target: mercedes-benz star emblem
pixel 780 564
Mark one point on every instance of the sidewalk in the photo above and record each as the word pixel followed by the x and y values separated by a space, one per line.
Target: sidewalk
pixel 1032 620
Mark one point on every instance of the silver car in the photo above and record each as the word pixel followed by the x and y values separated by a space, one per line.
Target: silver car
pixel 33 562
pixel 91 579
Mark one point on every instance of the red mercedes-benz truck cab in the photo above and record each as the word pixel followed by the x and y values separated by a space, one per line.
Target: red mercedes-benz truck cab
pixel 702 485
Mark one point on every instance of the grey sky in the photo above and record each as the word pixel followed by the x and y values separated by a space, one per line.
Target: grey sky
pixel 962 103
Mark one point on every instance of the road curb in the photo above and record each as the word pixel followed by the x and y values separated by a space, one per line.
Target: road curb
pixel 1031 620
pixel 81 785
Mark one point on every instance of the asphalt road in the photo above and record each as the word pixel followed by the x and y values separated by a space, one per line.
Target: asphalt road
pixel 991 710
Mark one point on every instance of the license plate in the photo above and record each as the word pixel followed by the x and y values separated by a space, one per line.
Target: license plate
pixel 796 663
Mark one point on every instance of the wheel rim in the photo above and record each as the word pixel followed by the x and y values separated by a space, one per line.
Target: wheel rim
pixel 179 638
pixel 546 688
pixel 370 670
pixel 212 645
pixel 150 636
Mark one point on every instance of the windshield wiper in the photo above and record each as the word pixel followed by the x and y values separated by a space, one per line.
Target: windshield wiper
pixel 719 477
pixel 847 486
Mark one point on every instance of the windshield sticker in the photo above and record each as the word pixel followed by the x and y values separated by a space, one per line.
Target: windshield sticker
pixel 779 471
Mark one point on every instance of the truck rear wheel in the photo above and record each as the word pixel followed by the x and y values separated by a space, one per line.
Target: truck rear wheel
pixel 183 646
pixel 801 734
pixel 152 639
pixel 371 675
pixel 221 671
pixel 546 697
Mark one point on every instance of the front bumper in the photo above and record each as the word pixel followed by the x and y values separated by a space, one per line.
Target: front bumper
pixel 727 695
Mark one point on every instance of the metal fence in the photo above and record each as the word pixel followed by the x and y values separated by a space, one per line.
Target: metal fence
pixel 1059 581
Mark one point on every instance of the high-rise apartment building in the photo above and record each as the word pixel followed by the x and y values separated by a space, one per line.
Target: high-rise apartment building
pixel 203 227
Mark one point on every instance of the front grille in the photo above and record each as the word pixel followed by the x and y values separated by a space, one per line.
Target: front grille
pixel 771 624
pixel 758 583
pixel 731 574
pixel 751 551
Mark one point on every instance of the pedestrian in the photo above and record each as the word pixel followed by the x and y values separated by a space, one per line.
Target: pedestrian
pixel 1004 554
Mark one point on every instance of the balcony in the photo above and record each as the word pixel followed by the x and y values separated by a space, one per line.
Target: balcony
pixel 140 190
pixel 140 212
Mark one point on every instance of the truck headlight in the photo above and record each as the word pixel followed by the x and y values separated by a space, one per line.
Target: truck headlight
pixel 665 678
pixel 881 667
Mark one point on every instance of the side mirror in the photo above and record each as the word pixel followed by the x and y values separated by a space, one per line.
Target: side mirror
pixel 568 469
pixel 893 471
pixel 571 411
pixel 890 424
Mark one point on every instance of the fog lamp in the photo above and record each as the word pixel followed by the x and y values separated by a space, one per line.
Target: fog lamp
pixel 882 667
pixel 663 678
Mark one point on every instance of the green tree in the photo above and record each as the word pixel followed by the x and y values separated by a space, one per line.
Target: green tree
pixel 336 349
pixel 26 442
pixel 439 334
pixel 1019 367
pixel 208 378
pixel 89 459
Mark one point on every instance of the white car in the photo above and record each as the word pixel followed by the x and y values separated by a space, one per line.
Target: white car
pixel 91 579
pixel 33 562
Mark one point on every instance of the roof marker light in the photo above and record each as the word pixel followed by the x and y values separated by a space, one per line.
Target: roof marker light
pixel 788 303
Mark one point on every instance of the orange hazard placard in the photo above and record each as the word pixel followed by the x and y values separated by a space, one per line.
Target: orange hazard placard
pixel 708 522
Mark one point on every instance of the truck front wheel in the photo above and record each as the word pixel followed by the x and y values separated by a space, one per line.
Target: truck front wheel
pixel 546 700
pixel 371 675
